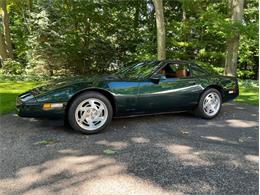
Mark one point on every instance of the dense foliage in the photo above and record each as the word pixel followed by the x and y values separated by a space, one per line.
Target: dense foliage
pixel 54 37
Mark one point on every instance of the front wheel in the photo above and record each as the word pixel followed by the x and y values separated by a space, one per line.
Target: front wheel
pixel 209 104
pixel 90 113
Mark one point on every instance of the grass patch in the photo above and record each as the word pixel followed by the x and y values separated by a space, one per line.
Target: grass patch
pixel 9 91
pixel 248 95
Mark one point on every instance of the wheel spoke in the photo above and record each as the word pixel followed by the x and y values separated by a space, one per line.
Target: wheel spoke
pixel 92 104
pixel 99 118
pixel 207 104
pixel 83 116
pixel 100 110
pixel 82 109
pixel 212 108
pixel 208 109
pixel 90 122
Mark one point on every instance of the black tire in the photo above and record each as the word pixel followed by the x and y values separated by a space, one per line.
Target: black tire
pixel 199 111
pixel 84 96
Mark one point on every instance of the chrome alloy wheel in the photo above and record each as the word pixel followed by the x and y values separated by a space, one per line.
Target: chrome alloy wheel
pixel 91 114
pixel 211 104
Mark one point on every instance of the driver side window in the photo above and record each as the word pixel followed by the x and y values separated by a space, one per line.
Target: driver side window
pixel 176 70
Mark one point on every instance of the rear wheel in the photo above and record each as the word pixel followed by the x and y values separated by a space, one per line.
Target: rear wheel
pixel 209 104
pixel 90 113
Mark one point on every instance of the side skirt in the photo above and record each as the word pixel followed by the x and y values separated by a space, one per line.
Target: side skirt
pixel 151 114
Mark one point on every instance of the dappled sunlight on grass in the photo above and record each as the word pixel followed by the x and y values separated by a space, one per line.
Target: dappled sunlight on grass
pixel 7 102
pixel 248 95
pixel 9 91
pixel 16 87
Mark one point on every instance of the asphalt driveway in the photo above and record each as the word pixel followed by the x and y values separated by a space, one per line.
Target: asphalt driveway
pixel 166 154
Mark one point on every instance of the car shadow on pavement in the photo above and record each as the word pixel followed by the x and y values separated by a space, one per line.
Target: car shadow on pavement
pixel 166 154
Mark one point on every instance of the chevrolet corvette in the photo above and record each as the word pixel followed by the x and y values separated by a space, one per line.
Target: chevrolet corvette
pixel 89 103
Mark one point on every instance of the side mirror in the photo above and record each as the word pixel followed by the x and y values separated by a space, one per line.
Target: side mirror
pixel 158 77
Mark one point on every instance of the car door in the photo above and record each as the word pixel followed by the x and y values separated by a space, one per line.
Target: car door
pixel 167 94
pixel 125 94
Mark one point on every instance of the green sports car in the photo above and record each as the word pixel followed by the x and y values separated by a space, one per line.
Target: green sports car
pixel 149 87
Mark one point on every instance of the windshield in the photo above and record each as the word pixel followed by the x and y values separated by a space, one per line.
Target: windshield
pixel 138 70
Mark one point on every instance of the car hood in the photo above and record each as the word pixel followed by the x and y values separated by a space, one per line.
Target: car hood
pixel 78 82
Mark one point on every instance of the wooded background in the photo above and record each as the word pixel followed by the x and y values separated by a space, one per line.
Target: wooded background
pixel 66 37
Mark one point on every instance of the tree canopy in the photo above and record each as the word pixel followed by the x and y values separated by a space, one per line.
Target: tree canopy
pixel 57 37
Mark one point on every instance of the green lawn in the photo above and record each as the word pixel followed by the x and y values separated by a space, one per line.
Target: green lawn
pixel 248 95
pixel 9 91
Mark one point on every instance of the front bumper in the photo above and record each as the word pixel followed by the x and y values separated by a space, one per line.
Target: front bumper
pixel 28 106
pixel 231 94
pixel 229 97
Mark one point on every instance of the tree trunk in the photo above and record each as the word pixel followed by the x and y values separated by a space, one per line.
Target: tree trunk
pixel 30 5
pixel 184 16
pixel 6 30
pixel 3 52
pixel 161 53
pixel 233 42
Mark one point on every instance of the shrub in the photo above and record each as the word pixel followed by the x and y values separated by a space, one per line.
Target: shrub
pixel 23 77
pixel 219 70
pixel 241 74
pixel 12 67
pixel 249 83
pixel 245 74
